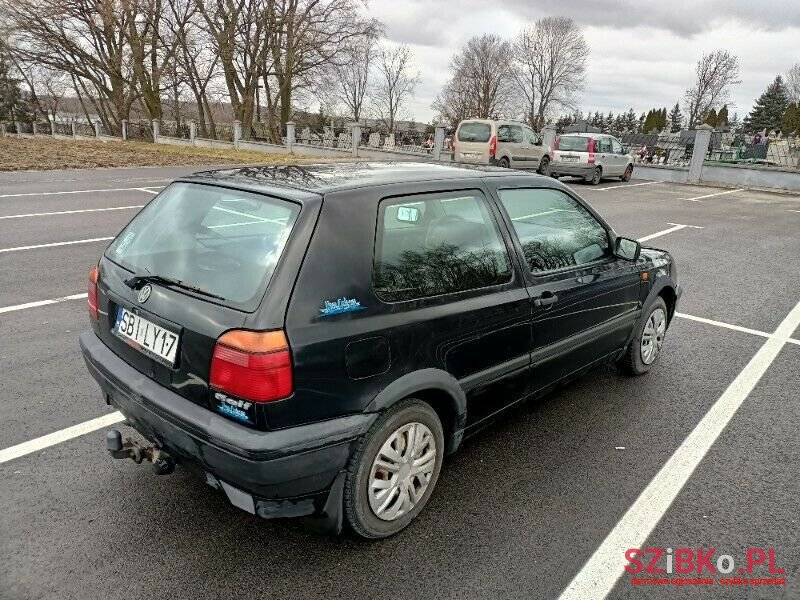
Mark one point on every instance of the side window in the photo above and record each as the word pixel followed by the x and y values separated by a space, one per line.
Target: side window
pixel 454 247
pixel 604 145
pixel 617 147
pixel 555 231
pixel 530 136
pixel 509 133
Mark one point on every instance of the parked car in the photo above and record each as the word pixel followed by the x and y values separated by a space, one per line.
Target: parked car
pixel 506 144
pixel 592 156
pixel 313 340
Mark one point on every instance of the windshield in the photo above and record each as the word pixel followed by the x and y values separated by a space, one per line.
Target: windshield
pixel 575 143
pixel 226 242
pixel 474 132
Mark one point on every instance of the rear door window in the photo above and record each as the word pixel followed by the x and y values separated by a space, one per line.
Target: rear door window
pixel 224 241
pixel 555 231
pixel 473 131
pixel 573 143
pixel 509 134
pixel 454 246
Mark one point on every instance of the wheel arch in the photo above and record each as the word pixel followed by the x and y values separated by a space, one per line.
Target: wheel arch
pixel 437 388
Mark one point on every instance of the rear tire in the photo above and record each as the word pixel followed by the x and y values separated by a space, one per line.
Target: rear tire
pixel 503 162
pixel 628 173
pixel 641 354
pixel 544 166
pixel 596 176
pixel 403 489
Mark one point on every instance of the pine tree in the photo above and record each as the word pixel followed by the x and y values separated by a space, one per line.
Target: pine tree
pixel 640 124
pixel 650 122
pixel 722 117
pixel 770 108
pixel 675 118
pixel 733 122
pixel 14 106
pixel 711 118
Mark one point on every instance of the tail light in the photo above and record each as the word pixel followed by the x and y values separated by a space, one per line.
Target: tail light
pixel 94 275
pixel 493 146
pixel 590 147
pixel 556 141
pixel 254 365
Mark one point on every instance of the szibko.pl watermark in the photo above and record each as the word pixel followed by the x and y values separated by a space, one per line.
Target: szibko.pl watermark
pixel 702 566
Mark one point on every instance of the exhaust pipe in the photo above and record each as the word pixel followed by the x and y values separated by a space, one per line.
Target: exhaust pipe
pixel 163 463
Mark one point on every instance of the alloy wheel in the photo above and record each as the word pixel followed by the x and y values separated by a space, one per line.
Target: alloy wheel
pixel 653 335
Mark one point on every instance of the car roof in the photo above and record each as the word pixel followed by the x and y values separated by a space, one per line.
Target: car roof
pixel 303 181
pixel 589 135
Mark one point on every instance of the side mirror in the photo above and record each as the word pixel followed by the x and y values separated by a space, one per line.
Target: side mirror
pixel 627 249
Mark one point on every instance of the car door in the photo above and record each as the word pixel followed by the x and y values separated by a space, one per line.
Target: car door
pixel 451 295
pixel 584 300
pixel 535 147
pixel 511 143
pixel 621 159
pixel 605 157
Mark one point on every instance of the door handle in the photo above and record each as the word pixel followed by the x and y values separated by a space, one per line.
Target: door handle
pixel 545 299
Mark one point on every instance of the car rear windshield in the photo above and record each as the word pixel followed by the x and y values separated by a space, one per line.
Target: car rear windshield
pixel 574 143
pixel 226 242
pixel 474 132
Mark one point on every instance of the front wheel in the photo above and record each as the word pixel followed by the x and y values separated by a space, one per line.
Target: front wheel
pixel 393 471
pixel 646 345
pixel 544 166
pixel 595 177
pixel 626 176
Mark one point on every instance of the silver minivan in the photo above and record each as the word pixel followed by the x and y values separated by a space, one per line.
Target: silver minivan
pixel 592 156
pixel 507 144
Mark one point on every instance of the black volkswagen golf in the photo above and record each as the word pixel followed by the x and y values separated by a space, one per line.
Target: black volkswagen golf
pixel 313 340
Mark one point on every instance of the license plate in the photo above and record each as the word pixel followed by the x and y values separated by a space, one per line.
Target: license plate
pixel 471 155
pixel 570 158
pixel 147 337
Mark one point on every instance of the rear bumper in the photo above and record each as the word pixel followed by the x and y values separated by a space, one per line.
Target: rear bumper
pixel 287 472
pixel 565 168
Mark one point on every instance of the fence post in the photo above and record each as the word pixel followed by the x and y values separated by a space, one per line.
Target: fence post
pixel 192 132
pixel 53 128
pixel 549 135
pixel 156 130
pixel 438 141
pixel 74 129
pixel 34 128
pixel 97 128
pixel 290 136
pixel 237 134
pixel 355 132
pixel 2 130
pixel 702 138
pixel 124 130
pixel 16 126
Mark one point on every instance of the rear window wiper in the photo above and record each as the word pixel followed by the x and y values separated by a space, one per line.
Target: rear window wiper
pixel 136 280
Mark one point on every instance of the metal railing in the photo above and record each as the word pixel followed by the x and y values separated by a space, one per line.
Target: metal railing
pixel 174 129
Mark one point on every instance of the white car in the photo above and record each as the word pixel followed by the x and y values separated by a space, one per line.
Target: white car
pixel 508 144
pixel 592 156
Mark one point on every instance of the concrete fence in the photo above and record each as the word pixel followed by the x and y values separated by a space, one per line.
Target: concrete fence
pixel 698 170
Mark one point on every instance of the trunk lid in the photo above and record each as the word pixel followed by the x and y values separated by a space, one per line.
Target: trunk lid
pixel 217 248
pixel 472 142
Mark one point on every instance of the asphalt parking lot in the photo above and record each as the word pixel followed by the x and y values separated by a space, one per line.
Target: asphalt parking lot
pixel 700 453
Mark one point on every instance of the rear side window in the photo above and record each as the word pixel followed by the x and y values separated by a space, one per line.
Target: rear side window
pixel 226 242
pixel 510 134
pixel 452 247
pixel 474 132
pixel 554 230
pixel 574 143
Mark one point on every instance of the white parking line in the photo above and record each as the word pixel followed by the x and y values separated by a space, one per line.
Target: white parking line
pixel 8 309
pixel 605 567
pixel 675 227
pixel 51 439
pixel 625 185
pixel 130 189
pixel 71 212
pixel 698 198
pixel 54 244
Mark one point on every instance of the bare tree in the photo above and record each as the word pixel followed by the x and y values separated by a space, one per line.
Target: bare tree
pixel 715 72
pixel 395 83
pixel 455 102
pixel 481 70
pixel 549 67
pixel 352 77
pixel 793 83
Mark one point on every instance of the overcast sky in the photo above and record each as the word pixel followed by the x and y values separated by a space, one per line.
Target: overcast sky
pixel 643 52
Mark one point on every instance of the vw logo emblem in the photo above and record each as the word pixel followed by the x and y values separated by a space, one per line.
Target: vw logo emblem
pixel 144 294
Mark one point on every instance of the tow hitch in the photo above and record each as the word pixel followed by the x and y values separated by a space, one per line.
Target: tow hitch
pixel 163 463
